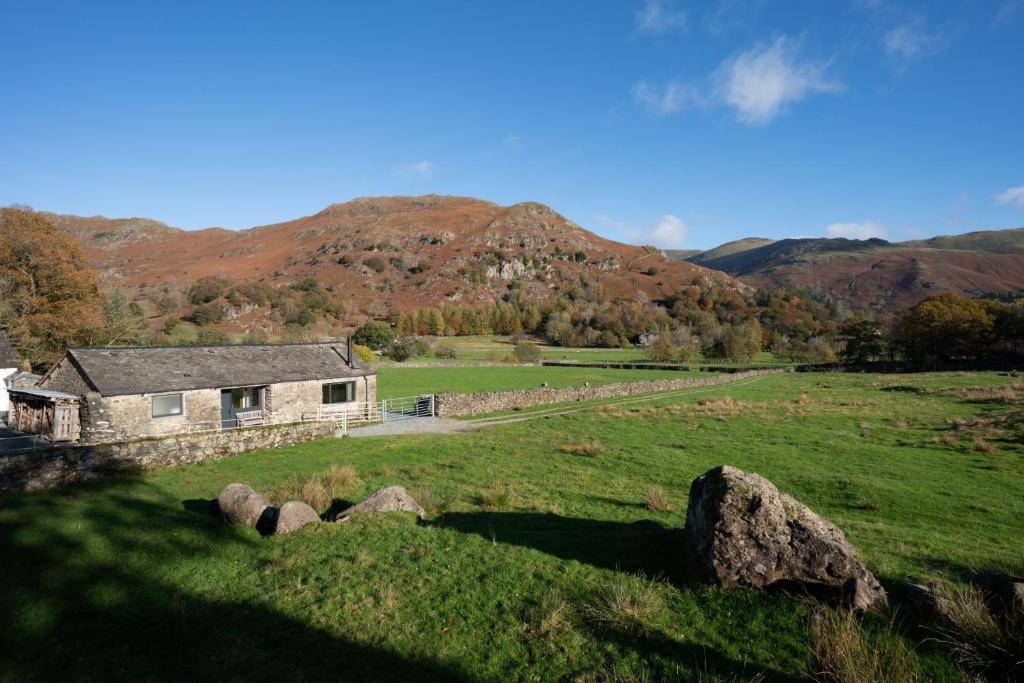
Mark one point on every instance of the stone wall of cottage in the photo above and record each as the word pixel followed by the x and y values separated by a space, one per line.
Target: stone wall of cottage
pixel 291 401
pixel 65 464
pixel 452 405
pixel 125 418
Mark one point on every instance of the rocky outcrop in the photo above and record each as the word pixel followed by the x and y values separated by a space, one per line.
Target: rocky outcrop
pixel 749 533
pixel 243 506
pixel 294 515
pixel 388 499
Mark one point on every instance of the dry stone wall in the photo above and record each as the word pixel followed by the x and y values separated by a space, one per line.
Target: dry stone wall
pixel 58 465
pixel 453 405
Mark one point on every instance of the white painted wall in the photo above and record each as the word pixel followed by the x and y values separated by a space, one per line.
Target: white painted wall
pixel 5 403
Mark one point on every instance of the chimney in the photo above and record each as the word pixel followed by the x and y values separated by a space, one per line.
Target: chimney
pixel 348 351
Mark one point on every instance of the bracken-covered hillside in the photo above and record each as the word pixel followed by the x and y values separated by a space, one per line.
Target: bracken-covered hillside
pixel 401 252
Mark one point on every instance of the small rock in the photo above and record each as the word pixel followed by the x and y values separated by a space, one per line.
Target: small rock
pixel 241 505
pixel 747 532
pixel 294 515
pixel 388 499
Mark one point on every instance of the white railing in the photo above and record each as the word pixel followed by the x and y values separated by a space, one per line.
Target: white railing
pixel 343 415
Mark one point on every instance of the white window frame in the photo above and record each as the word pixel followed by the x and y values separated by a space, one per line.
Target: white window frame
pixel 181 400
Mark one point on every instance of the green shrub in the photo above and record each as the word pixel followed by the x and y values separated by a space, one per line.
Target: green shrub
pixel 527 352
pixel 375 335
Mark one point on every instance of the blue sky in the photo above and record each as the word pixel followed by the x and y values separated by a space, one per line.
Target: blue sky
pixel 679 123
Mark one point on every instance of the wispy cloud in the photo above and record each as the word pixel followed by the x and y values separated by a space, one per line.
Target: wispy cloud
pixel 657 17
pixel 1006 11
pixel 913 40
pixel 761 82
pixel 1014 195
pixel 419 169
pixel 670 98
pixel 856 231
pixel 513 142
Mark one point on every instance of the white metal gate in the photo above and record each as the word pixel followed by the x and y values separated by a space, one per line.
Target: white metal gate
pixel 385 410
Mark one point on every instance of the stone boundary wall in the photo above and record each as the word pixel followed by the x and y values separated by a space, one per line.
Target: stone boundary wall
pixel 455 405
pixel 56 465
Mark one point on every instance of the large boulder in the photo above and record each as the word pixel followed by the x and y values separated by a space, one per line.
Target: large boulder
pixel 388 499
pixel 294 515
pixel 241 505
pixel 747 532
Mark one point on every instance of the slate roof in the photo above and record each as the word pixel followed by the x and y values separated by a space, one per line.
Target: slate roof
pixel 154 369
pixel 45 393
pixel 8 358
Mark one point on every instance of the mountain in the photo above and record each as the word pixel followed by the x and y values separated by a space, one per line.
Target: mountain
pixel 402 252
pixel 729 248
pixel 875 274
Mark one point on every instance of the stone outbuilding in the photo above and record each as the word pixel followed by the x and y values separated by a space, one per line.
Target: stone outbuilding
pixel 9 365
pixel 137 392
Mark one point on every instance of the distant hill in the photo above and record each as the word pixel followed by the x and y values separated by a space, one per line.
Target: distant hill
pixel 728 249
pixel 996 241
pixel 390 252
pixel 875 274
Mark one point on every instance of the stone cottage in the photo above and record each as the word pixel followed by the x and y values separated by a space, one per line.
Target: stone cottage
pixel 9 365
pixel 135 392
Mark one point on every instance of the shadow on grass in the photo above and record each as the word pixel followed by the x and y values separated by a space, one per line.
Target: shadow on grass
pixel 89 593
pixel 645 547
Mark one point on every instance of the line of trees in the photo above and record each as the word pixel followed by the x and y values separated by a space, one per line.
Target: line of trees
pixel 941 330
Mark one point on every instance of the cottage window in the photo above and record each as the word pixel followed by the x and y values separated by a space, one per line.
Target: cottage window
pixel 246 399
pixel 167 405
pixel 340 392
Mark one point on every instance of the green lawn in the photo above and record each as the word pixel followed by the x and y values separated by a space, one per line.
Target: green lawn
pixel 530 566
pixel 393 382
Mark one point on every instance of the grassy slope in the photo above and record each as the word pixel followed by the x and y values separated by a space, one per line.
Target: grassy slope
pixel 395 382
pixel 133 579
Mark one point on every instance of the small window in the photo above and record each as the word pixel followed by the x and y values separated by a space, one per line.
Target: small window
pixel 167 405
pixel 246 399
pixel 341 392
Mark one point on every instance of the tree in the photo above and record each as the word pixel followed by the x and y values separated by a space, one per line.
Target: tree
pixel 945 327
pixel 527 352
pixel 739 343
pixel 124 321
pixel 862 340
pixel 49 297
pixel 375 335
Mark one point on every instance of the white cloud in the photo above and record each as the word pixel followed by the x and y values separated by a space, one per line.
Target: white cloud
pixel 673 97
pixel 762 81
pixel 912 40
pixel 1014 195
pixel 420 169
pixel 669 231
pixel 659 16
pixel 856 231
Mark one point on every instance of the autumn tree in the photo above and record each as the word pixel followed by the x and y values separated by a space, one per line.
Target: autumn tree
pixel 945 327
pixel 49 297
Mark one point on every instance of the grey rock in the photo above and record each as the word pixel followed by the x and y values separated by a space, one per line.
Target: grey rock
pixel 387 499
pixel 294 515
pixel 747 532
pixel 239 504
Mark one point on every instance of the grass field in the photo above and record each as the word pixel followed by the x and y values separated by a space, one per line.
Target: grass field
pixel 398 381
pixel 498 347
pixel 530 566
